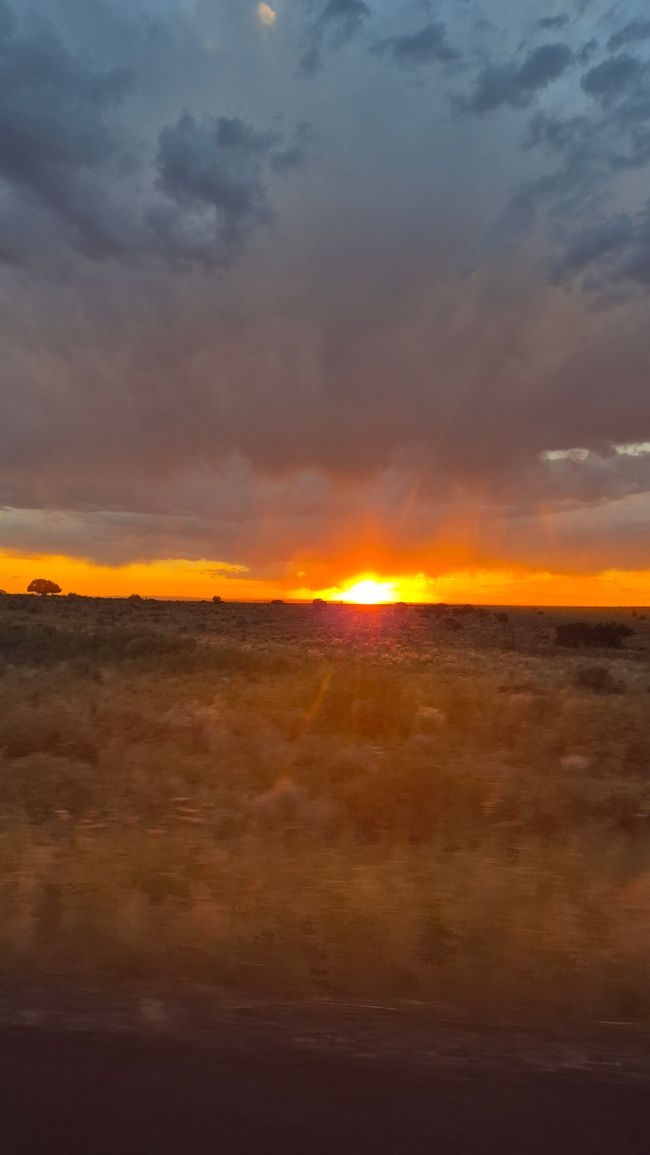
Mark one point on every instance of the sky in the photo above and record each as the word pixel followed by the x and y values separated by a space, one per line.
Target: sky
pixel 301 293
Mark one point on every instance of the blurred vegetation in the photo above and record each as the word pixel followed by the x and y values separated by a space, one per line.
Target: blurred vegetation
pixel 339 801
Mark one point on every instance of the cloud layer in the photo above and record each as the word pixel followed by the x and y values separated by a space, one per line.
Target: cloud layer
pixel 321 292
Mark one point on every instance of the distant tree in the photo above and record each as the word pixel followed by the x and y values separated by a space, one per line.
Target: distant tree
pixel 217 600
pixel 277 602
pixel 319 602
pixel 43 587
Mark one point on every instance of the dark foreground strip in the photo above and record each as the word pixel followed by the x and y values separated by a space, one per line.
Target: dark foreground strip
pixel 122 1094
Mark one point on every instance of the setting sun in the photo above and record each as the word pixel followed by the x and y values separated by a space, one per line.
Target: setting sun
pixel 369 593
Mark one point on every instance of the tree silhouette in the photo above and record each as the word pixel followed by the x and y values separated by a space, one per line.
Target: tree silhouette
pixel 43 587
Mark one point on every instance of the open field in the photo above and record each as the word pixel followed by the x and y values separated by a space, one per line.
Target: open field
pixel 331 802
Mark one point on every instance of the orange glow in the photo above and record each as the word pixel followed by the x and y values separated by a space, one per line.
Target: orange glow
pixel 369 592
pixel 180 578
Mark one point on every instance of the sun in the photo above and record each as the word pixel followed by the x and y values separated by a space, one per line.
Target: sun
pixel 369 592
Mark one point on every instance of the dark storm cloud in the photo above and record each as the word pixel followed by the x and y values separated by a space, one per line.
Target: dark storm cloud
pixel 55 131
pixel 337 22
pixel 213 171
pixel 283 359
pixel 427 46
pixel 66 152
pixel 514 84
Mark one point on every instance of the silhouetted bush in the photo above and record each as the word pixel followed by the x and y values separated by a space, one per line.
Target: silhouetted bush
pixel 502 617
pixel 604 634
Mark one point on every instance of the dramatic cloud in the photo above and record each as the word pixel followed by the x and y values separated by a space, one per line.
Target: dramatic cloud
pixel 214 172
pixel 391 318
pixel 55 132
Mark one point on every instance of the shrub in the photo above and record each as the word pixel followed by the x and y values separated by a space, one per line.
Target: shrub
pixel 598 679
pixel 604 634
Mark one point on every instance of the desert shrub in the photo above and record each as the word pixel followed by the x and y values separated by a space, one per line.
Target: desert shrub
pixel 502 617
pixel 602 634
pixel 599 679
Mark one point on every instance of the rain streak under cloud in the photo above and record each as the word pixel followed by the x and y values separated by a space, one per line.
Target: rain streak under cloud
pixel 301 294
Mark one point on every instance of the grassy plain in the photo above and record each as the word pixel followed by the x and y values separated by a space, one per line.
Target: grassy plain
pixel 334 802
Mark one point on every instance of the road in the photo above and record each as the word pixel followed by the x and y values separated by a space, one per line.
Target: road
pixel 117 1093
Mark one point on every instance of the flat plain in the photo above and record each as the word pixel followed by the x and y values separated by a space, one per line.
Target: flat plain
pixel 396 806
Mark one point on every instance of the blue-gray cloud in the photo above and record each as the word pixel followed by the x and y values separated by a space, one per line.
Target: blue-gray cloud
pixel 632 33
pixel 56 132
pixel 516 84
pixel 554 23
pixel 429 45
pixel 336 23
pixel 213 173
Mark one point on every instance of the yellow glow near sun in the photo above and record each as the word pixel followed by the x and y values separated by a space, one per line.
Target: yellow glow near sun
pixel 369 592
pixel 266 15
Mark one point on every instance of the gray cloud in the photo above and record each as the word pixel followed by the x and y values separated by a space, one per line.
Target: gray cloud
pixel 613 78
pixel 428 45
pixel 213 170
pixel 631 33
pixel 337 22
pixel 380 372
pixel 617 248
pixel 56 134
pixel 65 155
pixel 553 23
pixel 515 84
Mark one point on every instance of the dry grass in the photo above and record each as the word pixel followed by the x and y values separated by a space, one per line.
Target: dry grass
pixel 358 803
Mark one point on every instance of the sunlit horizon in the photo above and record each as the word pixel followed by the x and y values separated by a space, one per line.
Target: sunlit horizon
pixel 182 579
